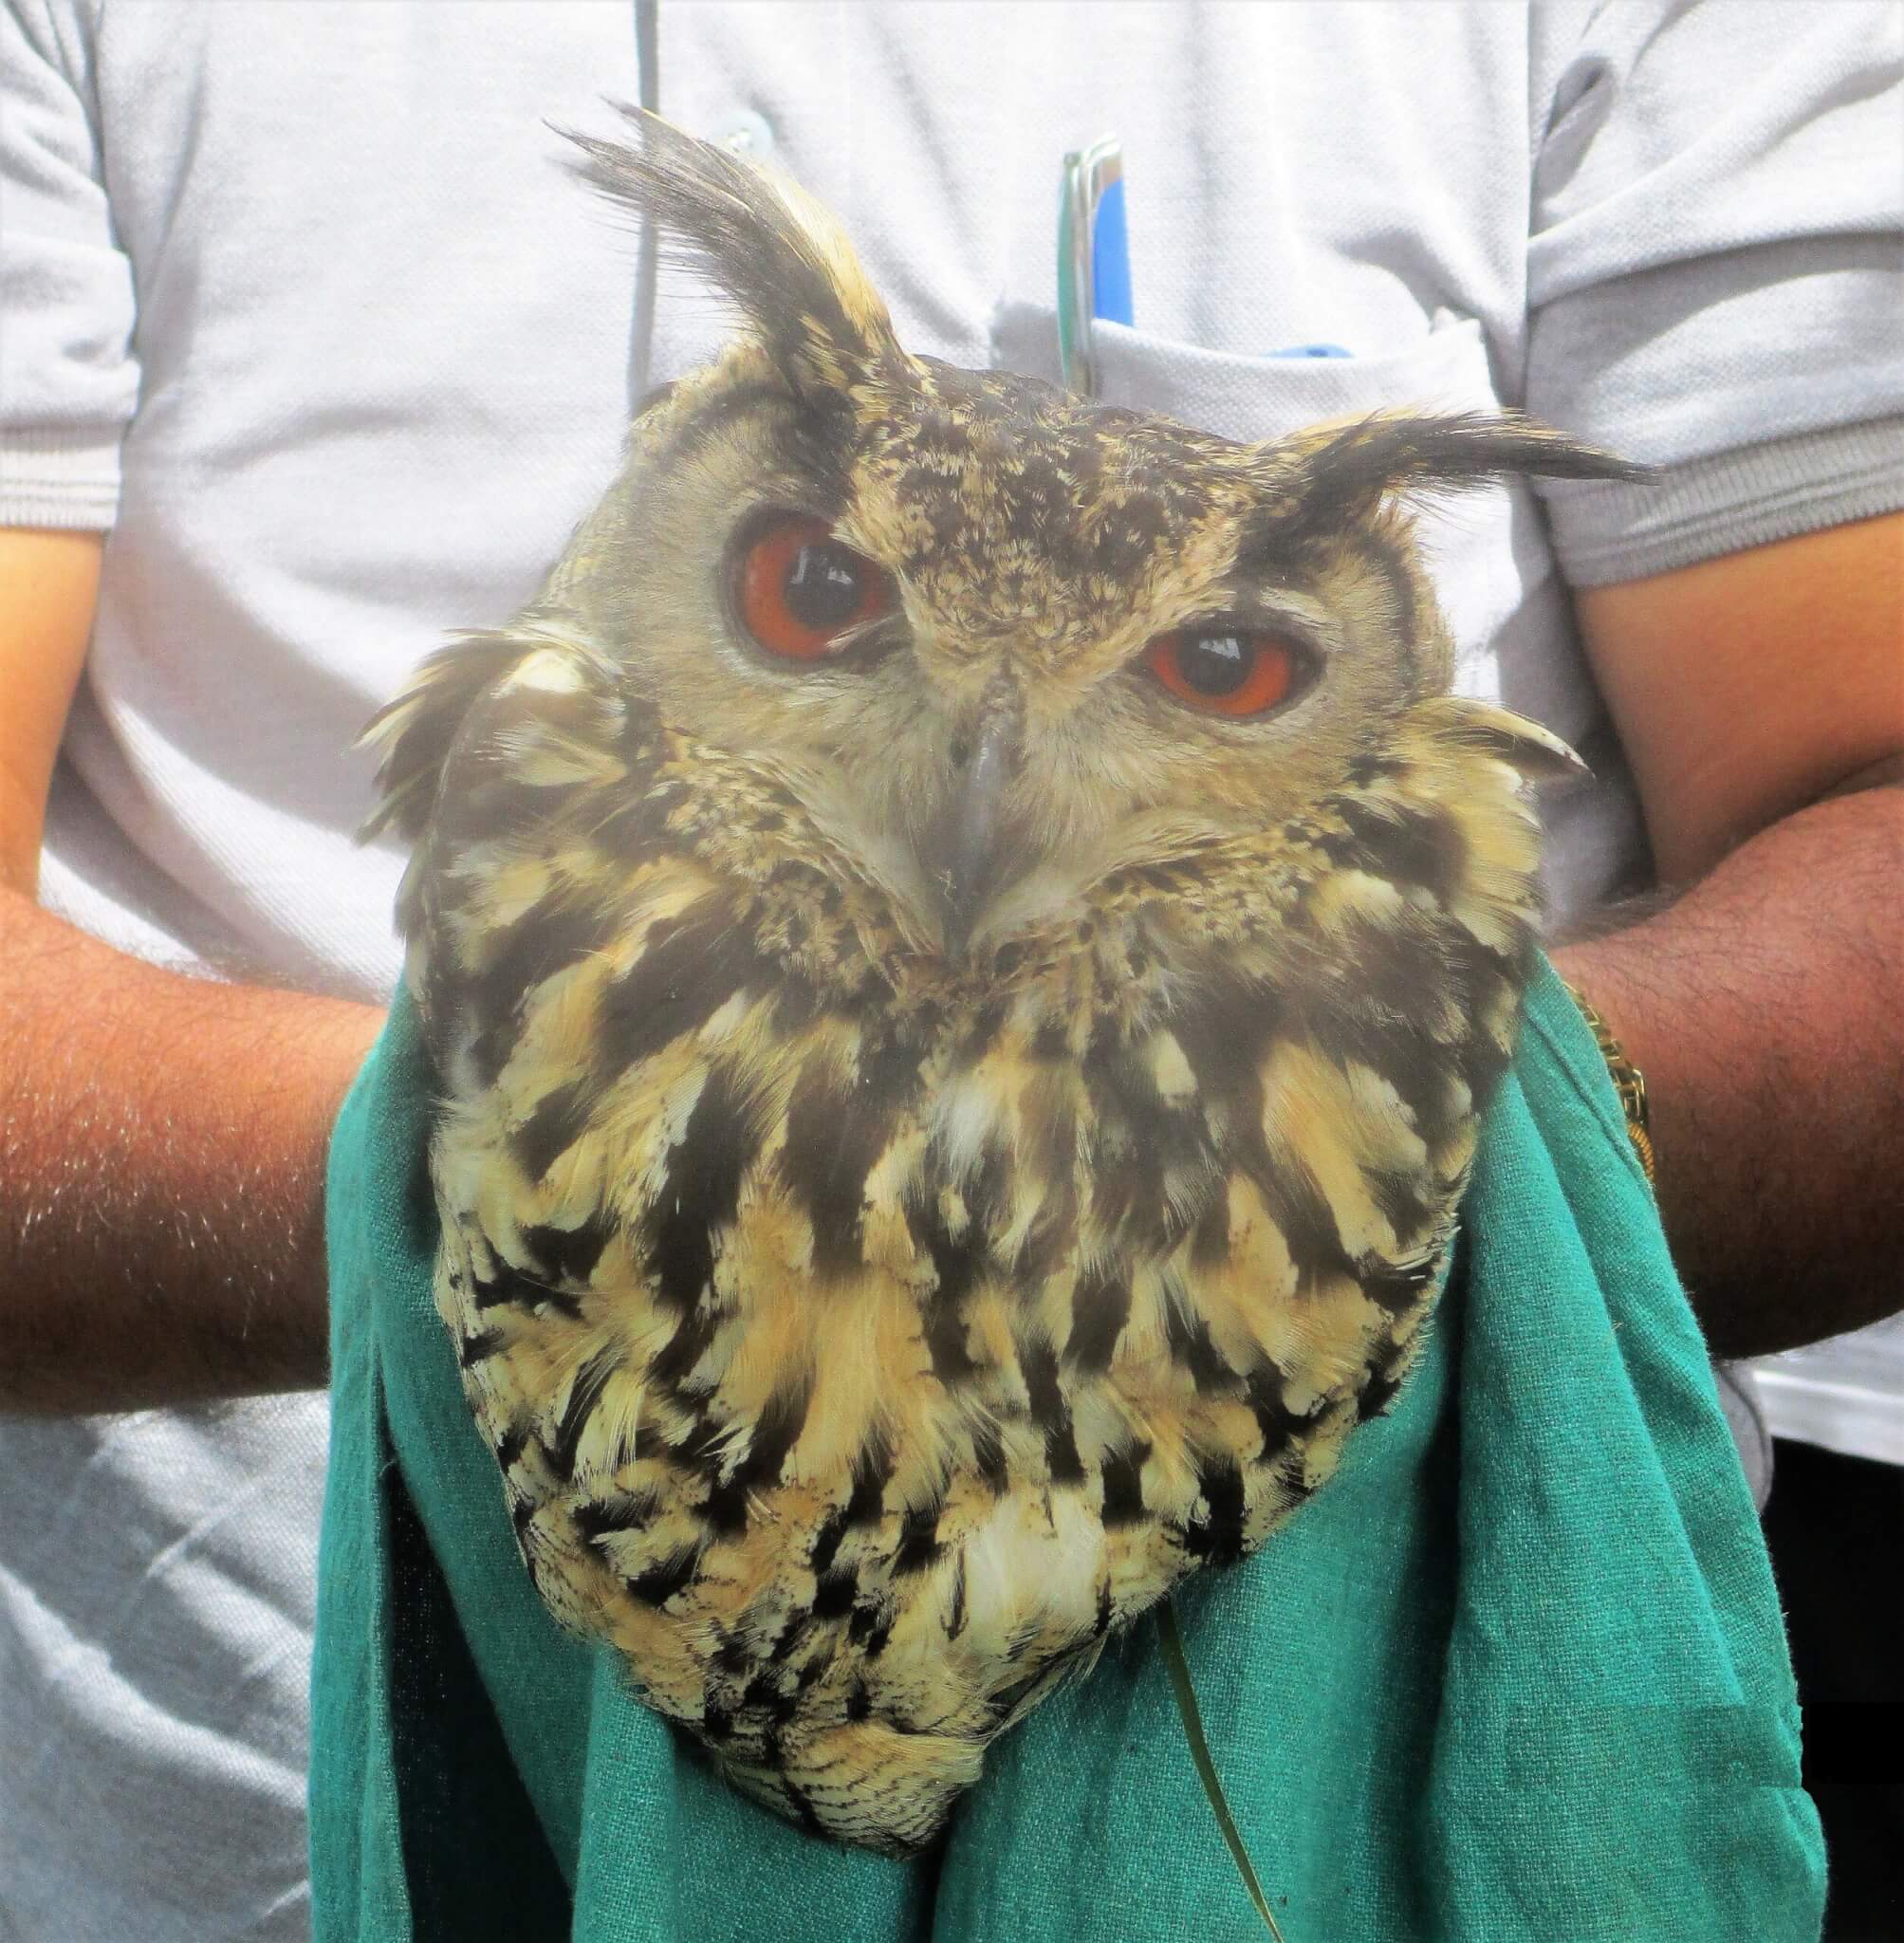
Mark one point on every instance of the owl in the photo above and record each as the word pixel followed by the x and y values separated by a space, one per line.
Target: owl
pixel 964 942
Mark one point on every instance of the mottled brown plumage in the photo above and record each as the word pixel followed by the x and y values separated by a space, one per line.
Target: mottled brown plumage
pixel 941 1139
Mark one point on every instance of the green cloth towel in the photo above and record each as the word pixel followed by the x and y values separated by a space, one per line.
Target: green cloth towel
pixel 1518 1672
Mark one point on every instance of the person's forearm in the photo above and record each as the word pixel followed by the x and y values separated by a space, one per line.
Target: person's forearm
pixel 1766 1008
pixel 162 1144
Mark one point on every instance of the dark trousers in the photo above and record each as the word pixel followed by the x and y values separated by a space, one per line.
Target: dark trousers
pixel 1836 1528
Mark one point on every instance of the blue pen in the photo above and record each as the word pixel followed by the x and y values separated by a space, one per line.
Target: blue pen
pixel 1094 257
pixel 1093 263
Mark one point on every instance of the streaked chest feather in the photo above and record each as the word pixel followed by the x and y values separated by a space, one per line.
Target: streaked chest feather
pixel 861 1336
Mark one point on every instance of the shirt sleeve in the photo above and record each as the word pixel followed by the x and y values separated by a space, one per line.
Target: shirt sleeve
pixel 1716 275
pixel 68 377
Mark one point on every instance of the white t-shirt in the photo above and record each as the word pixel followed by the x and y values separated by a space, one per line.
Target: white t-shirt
pixel 299 303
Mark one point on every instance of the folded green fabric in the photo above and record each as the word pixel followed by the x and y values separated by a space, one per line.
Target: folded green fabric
pixel 1518 1672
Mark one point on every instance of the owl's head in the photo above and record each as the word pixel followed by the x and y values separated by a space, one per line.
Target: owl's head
pixel 991 642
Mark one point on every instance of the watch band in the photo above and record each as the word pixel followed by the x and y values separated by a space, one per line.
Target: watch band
pixel 1628 1081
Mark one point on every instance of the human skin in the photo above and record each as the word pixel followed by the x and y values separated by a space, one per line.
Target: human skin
pixel 1759 700
pixel 162 1138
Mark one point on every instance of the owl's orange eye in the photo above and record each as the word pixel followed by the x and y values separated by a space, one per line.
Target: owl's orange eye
pixel 1223 670
pixel 799 589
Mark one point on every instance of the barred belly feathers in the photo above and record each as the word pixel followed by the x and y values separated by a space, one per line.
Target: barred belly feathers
pixel 964 942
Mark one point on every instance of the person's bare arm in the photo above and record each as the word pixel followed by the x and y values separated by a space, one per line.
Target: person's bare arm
pixel 1761 700
pixel 162 1139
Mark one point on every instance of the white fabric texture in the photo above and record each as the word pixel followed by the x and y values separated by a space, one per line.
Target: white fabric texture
pixel 156 1598
pixel 1845 1393
pixel 297 299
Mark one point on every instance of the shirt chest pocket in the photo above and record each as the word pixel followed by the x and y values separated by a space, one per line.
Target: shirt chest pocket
pixel 1486 547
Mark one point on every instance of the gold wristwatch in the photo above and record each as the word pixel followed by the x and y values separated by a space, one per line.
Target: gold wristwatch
pixel 1628 1081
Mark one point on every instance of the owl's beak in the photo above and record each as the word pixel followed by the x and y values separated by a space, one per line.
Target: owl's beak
pixel 964 850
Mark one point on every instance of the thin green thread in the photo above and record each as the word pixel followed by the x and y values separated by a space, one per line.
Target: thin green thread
pixel 1171 1641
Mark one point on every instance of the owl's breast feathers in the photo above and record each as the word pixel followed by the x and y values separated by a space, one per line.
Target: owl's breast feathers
pixel 863 1338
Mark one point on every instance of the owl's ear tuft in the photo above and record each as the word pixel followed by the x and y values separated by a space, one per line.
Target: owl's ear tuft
pixel 1339 473
pixel 759 237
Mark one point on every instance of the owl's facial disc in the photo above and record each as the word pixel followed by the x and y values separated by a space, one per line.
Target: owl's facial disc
pixel 1001 645
pixel 991 656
